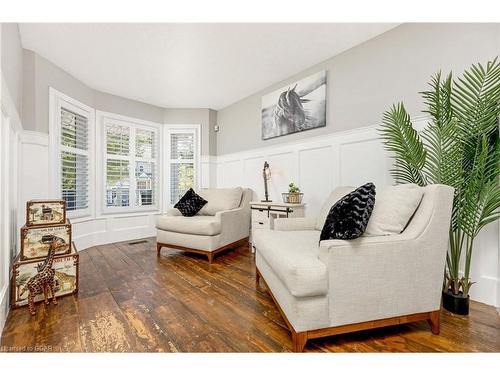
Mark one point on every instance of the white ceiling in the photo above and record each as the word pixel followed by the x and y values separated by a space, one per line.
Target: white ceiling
pixel 190 65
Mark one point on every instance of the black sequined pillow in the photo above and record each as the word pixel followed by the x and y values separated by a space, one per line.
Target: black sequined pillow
pixel 190 203
pixel 348 217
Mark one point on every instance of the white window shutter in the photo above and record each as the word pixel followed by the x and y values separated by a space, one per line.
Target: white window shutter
pixel 74 160
pixel 182 150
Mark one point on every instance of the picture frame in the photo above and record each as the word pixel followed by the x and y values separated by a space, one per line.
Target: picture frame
pixel 296 107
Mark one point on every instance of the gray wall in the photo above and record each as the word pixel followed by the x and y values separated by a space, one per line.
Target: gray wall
pixel 190 116
pixel 12 62
pixel 365 80
pixel 40 74
pixel 127 107
pixel 212 121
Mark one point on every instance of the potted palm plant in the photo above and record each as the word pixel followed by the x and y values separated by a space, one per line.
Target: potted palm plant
pixel 460 147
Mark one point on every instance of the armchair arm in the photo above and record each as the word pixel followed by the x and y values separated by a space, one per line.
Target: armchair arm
pixel 235 224
pixel 294 223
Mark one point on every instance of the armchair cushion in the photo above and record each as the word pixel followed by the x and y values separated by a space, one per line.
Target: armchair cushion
pixel 393 209
pixel 200 225
pixel 293 256
pixel 220 200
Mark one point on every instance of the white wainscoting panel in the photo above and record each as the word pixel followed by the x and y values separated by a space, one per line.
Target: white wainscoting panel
pixel 208 171
pixel 285 170
pixel 315 163
pixel 10 208
pixel 253 169
pixel 230 171
pixel 363 161
pixel 485 266
pixel 351 158
pixel 106 230
pixel 35 166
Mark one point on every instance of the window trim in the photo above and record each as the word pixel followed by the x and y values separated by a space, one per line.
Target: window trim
pixel 57 100
pixel 179 128
pixel 101 119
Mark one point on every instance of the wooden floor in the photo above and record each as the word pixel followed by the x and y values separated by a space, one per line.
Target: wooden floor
pixel 130 300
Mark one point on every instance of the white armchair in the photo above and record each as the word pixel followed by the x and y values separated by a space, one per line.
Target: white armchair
pixel 206 234
pixel 338 286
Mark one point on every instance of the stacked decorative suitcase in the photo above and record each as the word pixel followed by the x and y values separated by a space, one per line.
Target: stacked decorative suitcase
pixel 45 222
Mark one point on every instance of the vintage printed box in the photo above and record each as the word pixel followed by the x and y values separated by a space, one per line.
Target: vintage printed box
pixel 45 212
pixel 35 241
pixel 66 277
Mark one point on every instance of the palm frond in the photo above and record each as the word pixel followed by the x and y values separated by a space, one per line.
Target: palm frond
pixel 475 102
pixel 444 154
pixel 403 141
pixel 438 100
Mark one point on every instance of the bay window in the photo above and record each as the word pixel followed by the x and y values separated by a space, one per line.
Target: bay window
pixel 108 164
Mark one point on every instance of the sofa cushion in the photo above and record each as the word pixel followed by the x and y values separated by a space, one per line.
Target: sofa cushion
pixel 220 200
pixel 349 217
pixel 293 256
pixel 394 207
pixel 190 203
pixel 200 225
pixel 335 195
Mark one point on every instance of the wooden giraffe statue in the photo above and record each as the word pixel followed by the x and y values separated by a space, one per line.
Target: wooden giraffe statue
pixel 43 281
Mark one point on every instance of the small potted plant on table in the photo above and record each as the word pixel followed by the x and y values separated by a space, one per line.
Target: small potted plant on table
pixel 294 195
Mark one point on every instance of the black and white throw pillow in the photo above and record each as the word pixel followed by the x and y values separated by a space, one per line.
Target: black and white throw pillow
pixel 348 217
pixel 190 203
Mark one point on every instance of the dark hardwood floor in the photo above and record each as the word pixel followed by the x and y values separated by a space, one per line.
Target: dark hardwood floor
pixel 130 300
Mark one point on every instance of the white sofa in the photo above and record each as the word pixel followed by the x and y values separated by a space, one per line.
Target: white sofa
pixel 212 230
pixel 340 286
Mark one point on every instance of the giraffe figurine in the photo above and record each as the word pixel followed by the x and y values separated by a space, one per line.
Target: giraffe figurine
pixel 43 281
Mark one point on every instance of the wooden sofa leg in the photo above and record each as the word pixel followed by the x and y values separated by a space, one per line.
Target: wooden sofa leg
pixel 299 340
pixel 210 257
pixel 158 248
pixel 434 322
pixel 257 277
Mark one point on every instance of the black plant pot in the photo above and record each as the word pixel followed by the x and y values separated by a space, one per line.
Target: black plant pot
pixel 456 303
